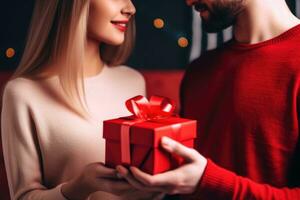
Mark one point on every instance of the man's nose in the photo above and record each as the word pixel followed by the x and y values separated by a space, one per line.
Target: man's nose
pixel 190 2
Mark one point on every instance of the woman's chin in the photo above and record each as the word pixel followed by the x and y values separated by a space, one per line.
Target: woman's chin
pixel 115 42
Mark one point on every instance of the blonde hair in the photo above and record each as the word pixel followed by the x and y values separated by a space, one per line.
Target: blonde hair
pixel 58 33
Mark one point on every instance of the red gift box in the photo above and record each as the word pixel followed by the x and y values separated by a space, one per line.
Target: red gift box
pixel 135 140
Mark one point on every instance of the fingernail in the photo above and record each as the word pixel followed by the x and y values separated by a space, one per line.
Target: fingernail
pixel 119 176
pixel 131 168
pixel 118 168
pixel 166 141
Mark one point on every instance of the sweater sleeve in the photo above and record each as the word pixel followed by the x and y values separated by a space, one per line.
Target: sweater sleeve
pixel 23 161
pixel 219 183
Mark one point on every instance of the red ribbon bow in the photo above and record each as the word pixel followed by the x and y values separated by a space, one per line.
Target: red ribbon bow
pixel 158 107
pixel 143 110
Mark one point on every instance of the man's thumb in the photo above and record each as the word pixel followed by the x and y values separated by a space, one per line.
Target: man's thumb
pixel 175 147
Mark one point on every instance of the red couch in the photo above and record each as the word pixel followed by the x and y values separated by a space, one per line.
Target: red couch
pixel 164 83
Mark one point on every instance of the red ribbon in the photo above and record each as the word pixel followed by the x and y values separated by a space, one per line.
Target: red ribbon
pixel 143 110
pixel 157 107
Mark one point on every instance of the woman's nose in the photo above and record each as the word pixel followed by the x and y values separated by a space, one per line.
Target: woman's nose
pixel 129 8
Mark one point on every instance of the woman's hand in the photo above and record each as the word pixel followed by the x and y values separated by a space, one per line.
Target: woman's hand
pixel 95 177
pixel 142 195
pixel 182 180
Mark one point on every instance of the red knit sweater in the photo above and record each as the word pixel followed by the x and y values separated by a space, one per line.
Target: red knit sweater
pixel 246 101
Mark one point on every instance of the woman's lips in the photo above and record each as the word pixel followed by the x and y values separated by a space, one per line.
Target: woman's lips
pixel 121 25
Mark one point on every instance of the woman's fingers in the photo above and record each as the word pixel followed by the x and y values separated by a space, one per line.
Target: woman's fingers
pixel 124 173
pixel 142 195
pixel 103 171
pixel 159 196
pixel 117 187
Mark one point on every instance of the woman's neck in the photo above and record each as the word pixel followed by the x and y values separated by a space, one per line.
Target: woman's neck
pixel 92 62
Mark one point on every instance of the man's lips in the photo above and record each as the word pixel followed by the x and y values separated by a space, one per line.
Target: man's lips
pixel 121 24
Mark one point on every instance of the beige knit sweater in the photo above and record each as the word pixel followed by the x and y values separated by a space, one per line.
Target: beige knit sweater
pixel 45 144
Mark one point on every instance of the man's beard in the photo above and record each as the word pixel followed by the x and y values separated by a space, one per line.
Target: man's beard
pixel 222 15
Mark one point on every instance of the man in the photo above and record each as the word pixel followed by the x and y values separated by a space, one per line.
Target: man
pixel 245 96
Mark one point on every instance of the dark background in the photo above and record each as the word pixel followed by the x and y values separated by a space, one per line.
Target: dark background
pixel 155 48
pixel 151 42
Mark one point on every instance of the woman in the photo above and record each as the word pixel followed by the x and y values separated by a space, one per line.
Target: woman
pixel 54 105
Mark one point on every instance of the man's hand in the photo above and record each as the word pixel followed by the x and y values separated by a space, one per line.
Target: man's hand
pixel 182 180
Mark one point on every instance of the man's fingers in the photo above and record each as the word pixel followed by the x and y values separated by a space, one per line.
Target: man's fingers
pixel 143 177
pixel 134 182
pixel 158 181
pixel 175 147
